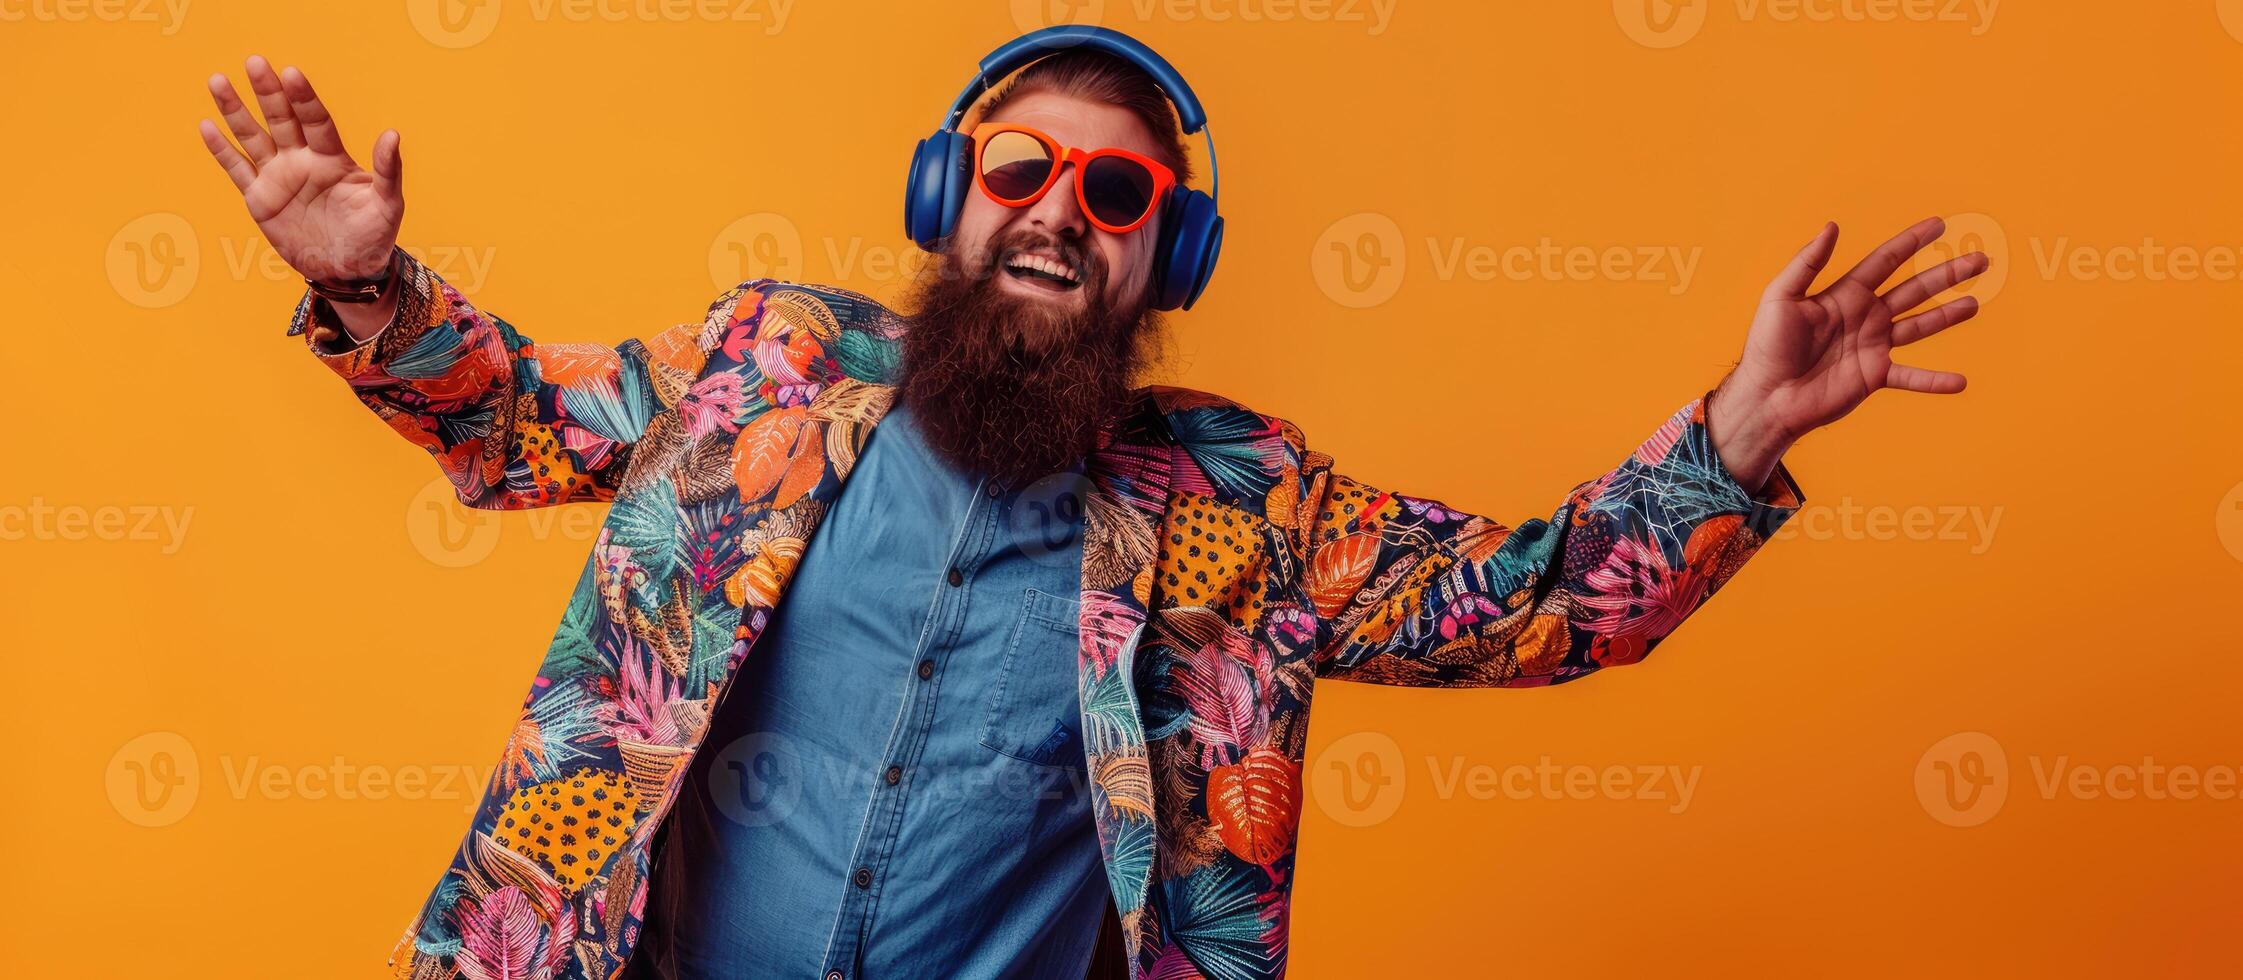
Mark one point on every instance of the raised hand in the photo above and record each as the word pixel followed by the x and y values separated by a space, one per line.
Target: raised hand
pixel 1811 359
pixel 328 217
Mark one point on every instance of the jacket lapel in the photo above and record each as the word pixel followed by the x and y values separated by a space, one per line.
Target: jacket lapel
pixel 1128 490
pixel 806 374
pixel 800 389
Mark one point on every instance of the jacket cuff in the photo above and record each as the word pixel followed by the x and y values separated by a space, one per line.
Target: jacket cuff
pixel 325 337
pixel 1765 510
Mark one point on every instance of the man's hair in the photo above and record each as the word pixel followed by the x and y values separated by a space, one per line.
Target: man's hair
pixel 1099 77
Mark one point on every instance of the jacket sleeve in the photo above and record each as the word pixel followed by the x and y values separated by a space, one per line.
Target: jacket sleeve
pixel 1410 592
pixel 512 423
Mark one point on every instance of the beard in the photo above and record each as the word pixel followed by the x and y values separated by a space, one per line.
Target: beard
pixel 1009 387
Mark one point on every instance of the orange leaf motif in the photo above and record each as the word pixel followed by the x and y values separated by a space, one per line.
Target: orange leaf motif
pixel 1255 804
pixel 1284 494
pixel 804 466
pixel 762 578
pixel 1338 570
pixel 1704 549
pixel 765 447
pixel 574 365
pixel 1542 645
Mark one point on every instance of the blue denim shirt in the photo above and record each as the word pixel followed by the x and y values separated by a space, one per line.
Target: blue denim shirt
pixel 895 786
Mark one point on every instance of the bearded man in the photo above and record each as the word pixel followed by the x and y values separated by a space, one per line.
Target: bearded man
pixel 936 645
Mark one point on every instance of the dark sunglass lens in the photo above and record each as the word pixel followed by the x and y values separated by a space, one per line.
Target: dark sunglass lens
pixel 1119 190
pixel 1014 165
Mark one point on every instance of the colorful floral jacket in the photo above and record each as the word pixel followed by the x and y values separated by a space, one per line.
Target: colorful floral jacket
pixel 1227 568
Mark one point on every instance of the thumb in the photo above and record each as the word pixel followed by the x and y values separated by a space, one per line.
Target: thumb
pixel 389 166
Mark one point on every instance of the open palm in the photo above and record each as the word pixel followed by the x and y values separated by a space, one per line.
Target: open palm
pixel 328 217
pixel 1811 359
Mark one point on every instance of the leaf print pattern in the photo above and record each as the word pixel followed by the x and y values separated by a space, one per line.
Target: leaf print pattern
pixel 1227 568
pixel 1254 803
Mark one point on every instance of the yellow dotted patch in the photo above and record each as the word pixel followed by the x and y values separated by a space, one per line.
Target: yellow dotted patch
pixel 1347 503
pixel 1402 602
pixel 569 825
pixel 554 470
pixel 1211 555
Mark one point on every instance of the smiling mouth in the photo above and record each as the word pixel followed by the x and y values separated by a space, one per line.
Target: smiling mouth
pixel 1043 271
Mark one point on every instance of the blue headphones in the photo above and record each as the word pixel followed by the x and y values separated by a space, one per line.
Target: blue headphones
pixel 1191 232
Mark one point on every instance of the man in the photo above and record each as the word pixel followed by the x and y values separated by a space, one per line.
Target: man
pixel 1047 663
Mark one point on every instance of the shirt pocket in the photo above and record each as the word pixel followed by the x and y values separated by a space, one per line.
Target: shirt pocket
pixel 1033 714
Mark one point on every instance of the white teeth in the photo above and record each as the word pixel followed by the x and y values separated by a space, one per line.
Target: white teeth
pixel 1046 266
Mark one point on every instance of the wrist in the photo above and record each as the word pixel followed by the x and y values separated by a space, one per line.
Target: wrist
pixel 1748 436
pixel 376 289
pixel 362 321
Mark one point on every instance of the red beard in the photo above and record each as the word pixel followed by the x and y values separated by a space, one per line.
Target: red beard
pixel 1008 387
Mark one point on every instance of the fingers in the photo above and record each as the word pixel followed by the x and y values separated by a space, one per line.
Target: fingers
pixel 303 103
pixel 1793 281
pixel 1909 330
pixel 1879 265
pixel 1933 281
pixel 389 165
pixel 273 102
pixel 228 158
pixel 1910 378
pixel 254 142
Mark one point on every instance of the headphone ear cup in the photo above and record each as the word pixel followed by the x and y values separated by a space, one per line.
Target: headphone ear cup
pixel 1207 264
pixel 935 190
pixel 1191 238
pixel 916 176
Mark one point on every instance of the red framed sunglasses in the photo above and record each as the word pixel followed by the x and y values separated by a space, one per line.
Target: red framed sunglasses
pixel 1118 190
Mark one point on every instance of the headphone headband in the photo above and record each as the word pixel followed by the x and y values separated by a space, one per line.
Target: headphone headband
pixel 1018 52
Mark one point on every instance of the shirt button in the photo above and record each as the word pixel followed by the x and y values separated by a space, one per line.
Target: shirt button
pixel 833 975
pixel 926 669
pixel 995 491
pixel 956 577
pixel 894 775
pixel 863 877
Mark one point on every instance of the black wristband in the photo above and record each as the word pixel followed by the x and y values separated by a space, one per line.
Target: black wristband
pixel 359 290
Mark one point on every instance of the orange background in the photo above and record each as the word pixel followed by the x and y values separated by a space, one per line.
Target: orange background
pixel 316 608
